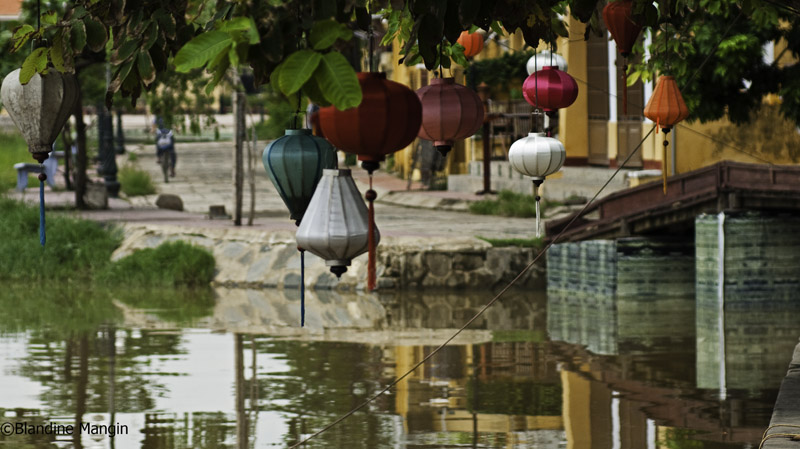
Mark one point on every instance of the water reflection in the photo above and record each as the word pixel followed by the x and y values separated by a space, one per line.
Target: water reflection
pixel 232 369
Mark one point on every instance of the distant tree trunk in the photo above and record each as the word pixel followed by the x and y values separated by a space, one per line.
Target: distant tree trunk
pixel 238 155
pixel 80 158
pixel 251 174
pixel 66 139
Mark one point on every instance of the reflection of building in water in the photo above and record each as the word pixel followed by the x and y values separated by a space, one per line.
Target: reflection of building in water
pixel 620 296
pixel 505 392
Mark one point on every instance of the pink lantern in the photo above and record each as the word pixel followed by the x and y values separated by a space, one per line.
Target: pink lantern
pixel 550 89
pixel 450 112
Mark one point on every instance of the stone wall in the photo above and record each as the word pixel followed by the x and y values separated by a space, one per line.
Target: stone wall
pixel 269 259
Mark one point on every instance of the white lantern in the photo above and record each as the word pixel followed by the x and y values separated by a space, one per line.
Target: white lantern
pixel 335 225
pixel 40 108
pixel 543 59
pixel 537 156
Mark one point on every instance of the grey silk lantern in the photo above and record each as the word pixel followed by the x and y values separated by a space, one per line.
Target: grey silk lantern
pixel 335 226
pixel 40 108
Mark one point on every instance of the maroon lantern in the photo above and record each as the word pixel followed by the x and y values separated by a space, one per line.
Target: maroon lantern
pixel 387 120
pixel 550 89
pixel 450 112
pixel 618 17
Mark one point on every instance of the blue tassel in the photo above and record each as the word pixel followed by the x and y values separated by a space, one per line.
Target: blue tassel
pixel 302 288
pixel 41 213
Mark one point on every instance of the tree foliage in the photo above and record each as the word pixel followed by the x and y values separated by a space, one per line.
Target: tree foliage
pixel 298 45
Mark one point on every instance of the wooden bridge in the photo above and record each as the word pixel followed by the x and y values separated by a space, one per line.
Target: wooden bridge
pixel 645 209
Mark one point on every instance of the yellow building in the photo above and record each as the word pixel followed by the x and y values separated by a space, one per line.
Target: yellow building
pixel 595 131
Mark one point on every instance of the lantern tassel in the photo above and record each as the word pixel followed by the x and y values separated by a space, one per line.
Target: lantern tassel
pixel 371 195
pixel 538 213
pixel 625 88
pixel 42 177
pixel 302 287
pixel 664 161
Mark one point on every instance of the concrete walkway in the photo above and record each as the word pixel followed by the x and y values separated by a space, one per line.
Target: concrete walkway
pixel 204 178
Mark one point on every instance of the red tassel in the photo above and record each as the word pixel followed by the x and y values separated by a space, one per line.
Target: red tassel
pixel 625 89
pixel 371 195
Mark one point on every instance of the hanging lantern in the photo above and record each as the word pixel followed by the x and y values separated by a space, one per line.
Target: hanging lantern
pixel 472 43
pixel 666 107
pixel 543 59
pixel 537 156
pixel 550 89
pixel 624 29
pixel 40 109
pixel 294 164
pixel 387 120
pixel 450 112
pixel 335 226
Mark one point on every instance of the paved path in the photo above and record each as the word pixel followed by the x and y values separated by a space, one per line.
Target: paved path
pixel 204 173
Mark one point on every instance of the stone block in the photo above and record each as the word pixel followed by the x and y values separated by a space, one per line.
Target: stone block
pixel 169 201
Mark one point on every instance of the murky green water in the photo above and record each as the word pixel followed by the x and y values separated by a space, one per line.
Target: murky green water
pixel 223 369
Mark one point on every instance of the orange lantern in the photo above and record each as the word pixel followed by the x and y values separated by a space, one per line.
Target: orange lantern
pixel 666 107
pixel 472 43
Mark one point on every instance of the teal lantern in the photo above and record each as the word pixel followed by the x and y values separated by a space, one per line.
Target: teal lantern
pixel 294 163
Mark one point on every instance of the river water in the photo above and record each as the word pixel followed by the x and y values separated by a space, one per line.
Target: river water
pixel 232 369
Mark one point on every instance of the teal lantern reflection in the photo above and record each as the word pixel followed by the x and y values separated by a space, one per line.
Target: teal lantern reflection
pixel 294 163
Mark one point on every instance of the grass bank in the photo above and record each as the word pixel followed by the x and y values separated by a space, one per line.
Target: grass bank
pixel 510 204
pixel 80 251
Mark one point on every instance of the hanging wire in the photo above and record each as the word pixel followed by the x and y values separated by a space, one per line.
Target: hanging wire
pixel 510 284
pixel 42 177
pixel 302 287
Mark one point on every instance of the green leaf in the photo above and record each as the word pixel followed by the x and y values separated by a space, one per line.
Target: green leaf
pixel 22 34
pixel 49 18
pixel 326 32
pixel 57 53
pixel 497 27
pixel 96 35
pixel 124 51
pixel 222 56
pixel 198 51
pixel 218 75
pixel 297 69
pixel 35 63
pixel 145 67
pixel 77 37
pixel 338 81
pixel 314 93
pixel 150 35
pixel 235 24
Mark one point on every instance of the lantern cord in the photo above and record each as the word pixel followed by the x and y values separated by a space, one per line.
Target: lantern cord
pixel 371 35
pixel 42 177
pixel 538 212
pixel 302 286
pixel 371 195
pixel 625 86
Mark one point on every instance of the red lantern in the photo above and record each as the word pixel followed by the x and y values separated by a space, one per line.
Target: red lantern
pixel 472 43
pixel 550 89
pixel 666 107
pixel 450 112
pixel 618 17
pixel 387 120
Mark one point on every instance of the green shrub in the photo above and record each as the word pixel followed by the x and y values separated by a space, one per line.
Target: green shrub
pixel 170 264
pixel 133 157
pixel 75 248
pixel 13 149
pixel 509 204
pixel 135 181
